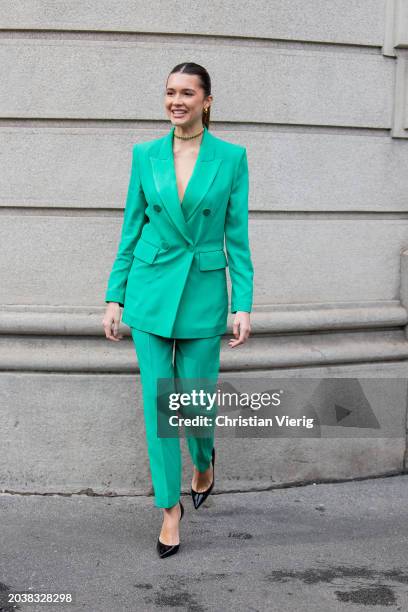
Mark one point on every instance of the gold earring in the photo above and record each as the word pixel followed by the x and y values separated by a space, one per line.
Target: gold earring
pixel 206 110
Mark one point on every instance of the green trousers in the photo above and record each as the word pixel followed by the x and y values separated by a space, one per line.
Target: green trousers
pixel 161 357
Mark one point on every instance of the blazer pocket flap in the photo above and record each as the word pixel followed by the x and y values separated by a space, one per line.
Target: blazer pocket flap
pixel 213 260
pixel 146 251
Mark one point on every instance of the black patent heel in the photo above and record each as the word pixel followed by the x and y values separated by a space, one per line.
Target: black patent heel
pixel 166 550
pixel 199 498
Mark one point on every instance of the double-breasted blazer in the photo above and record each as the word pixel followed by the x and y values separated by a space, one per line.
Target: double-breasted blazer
pixel 169 273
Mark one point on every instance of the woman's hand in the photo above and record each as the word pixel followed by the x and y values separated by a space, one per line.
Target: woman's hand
pixel 241 328
pixel 111 322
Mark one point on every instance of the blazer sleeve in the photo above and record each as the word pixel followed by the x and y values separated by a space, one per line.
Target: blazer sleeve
pixel 133 221
pixel 237 240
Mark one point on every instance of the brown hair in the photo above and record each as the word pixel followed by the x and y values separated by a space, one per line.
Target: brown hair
pixel 205 82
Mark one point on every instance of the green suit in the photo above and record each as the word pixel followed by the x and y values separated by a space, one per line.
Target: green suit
pixel 170 268
pixel 170 276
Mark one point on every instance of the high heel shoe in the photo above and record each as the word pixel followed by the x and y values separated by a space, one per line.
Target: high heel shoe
pixel 200 497
pixel 165 550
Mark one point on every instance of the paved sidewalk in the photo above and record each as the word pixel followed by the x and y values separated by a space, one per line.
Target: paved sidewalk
pixel 315 548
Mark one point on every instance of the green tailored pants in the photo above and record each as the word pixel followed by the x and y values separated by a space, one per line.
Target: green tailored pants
pixel 193 358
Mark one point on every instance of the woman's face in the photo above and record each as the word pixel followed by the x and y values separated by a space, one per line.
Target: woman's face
pixel 184 99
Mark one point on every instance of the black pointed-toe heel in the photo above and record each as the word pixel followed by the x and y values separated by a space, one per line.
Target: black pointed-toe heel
pixel 165 550
pixel 199 498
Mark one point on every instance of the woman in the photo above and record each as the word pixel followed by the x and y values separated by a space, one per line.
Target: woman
pixel 188 190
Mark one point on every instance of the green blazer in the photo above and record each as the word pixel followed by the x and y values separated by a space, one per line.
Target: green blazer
pixel 169 273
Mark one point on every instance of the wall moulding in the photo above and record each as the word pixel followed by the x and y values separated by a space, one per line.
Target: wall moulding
pixel 399 127
pixel 396 46
pixel 396 27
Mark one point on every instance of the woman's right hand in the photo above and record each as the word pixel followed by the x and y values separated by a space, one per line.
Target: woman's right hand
pixel 111 321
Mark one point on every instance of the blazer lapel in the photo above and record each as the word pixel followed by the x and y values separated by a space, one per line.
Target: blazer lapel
pixel 164 175
pixel 204 173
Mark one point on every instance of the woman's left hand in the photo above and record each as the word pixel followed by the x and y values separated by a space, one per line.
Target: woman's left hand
pixel 241 328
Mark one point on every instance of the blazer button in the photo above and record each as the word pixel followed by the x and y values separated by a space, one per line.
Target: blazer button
pixel 157 207
pixel 206 211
